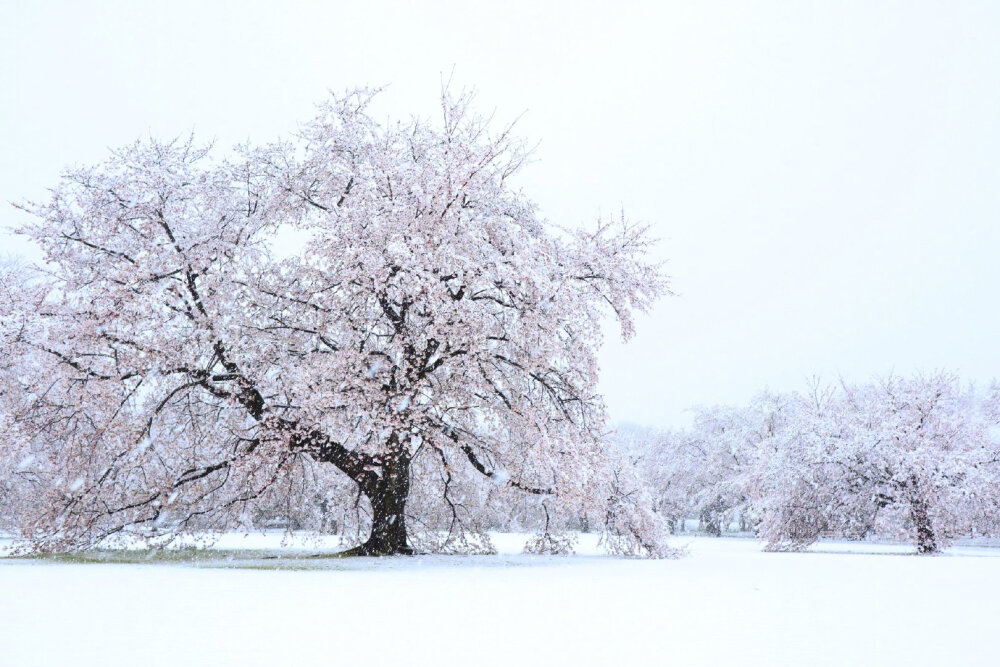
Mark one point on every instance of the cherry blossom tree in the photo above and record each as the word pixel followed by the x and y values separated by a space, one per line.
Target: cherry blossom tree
pixel 916 459
pixel 897 458
pixel 13 495
pixel 431 346
pixel 920 450
pixel 702 471
pixel 795 487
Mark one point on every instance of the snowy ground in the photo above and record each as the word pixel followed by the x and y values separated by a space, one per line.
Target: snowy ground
pixel 723 603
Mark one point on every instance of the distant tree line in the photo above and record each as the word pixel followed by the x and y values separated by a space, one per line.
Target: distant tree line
pixel 915 459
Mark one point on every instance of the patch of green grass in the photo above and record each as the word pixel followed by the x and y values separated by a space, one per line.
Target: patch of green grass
pixel 272 565
pixel 252 558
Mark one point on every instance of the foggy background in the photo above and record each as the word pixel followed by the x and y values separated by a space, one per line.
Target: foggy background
pixel 823 176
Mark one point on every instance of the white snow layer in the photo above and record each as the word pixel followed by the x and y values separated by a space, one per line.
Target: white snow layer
pixel 724 603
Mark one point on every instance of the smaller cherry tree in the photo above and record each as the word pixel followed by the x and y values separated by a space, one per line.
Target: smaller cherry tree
pixel 702 471
pixel 898 458
pixel 908 458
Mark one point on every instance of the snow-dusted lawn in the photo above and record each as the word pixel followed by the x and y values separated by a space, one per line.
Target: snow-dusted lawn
pixel 724 603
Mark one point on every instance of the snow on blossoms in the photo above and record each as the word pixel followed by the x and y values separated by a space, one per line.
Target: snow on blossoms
pixel 429 351
pixel 914 458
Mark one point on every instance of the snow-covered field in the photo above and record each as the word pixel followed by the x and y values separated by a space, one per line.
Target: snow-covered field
pixel 725 602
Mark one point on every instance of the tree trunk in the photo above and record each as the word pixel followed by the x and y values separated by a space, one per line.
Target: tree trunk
pixel 387 493
pixel 710 524
pixel 712 517
pixel 926 541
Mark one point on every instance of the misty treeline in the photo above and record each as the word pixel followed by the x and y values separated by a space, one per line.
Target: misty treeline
pixel 915 459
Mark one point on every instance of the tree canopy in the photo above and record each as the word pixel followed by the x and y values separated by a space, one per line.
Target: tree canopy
pixel 429 349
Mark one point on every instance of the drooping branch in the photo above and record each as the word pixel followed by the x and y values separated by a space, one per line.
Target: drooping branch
pixel 482 469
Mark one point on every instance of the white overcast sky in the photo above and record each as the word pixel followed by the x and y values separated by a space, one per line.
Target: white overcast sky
pixel 824 176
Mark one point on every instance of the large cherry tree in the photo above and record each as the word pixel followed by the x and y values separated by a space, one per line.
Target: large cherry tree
pixel 430 328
